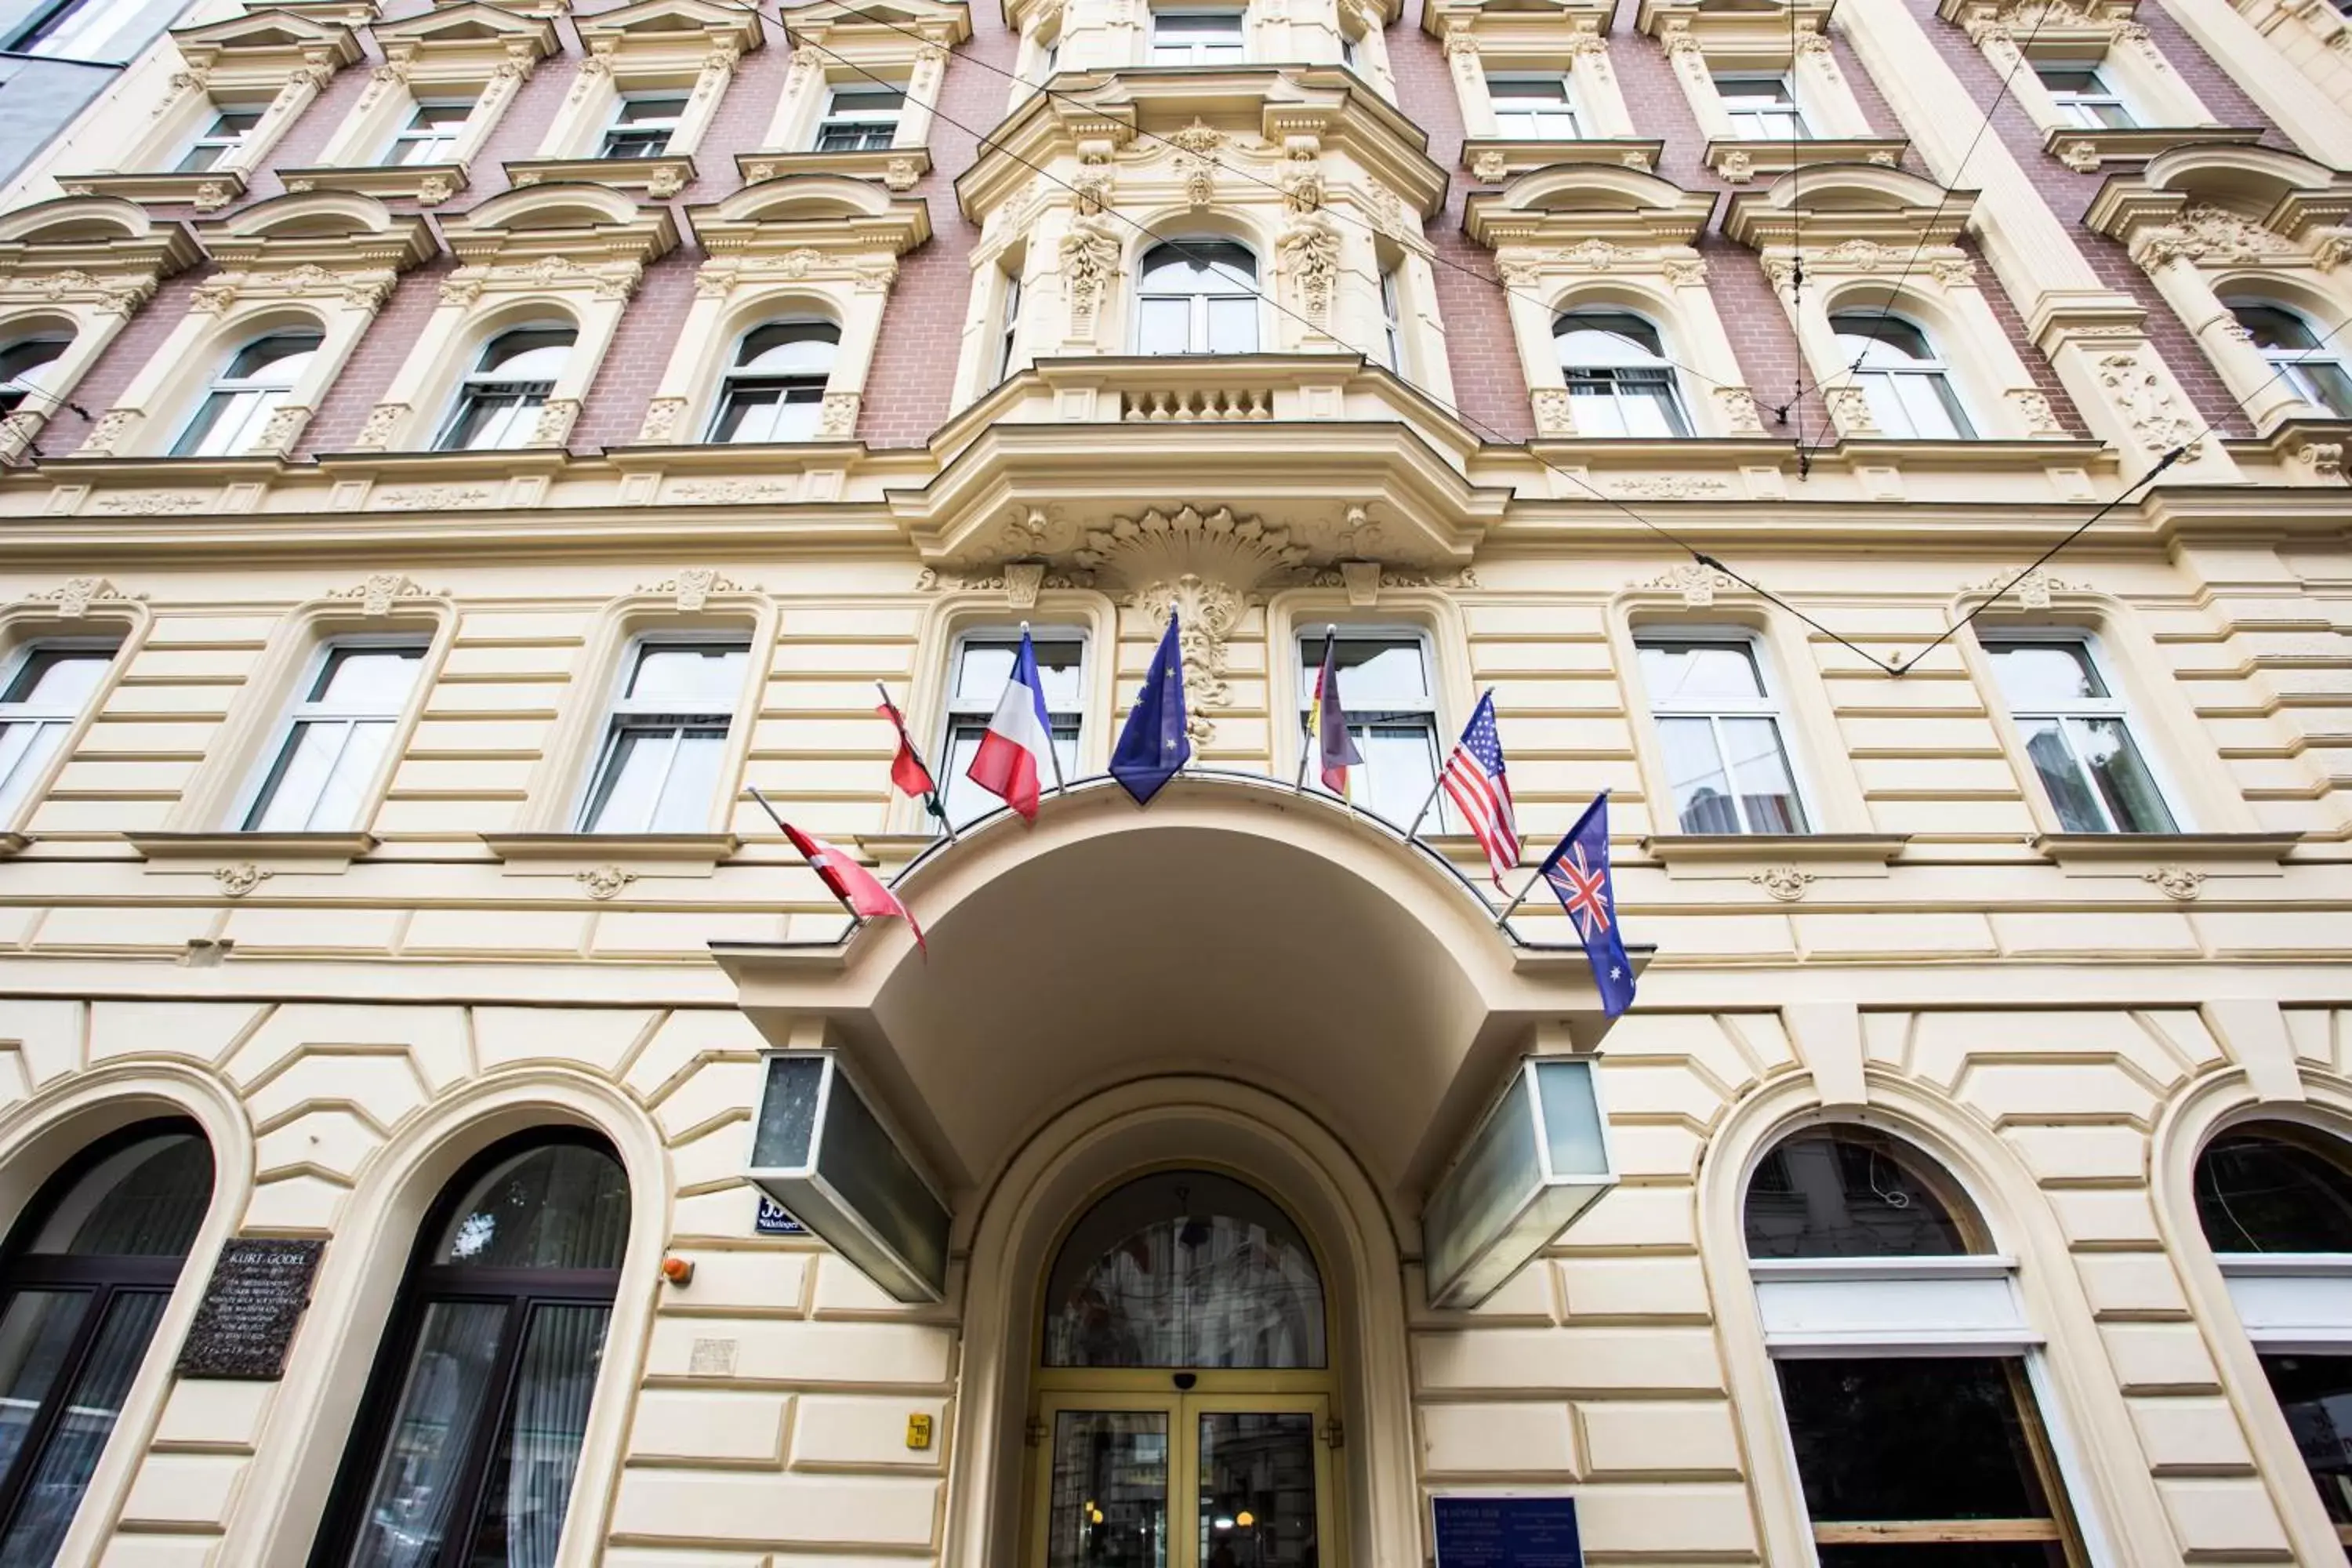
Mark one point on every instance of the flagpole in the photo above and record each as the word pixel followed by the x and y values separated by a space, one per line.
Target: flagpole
pixel 939 808
pixel 855 920
pixel 1513 907
pixel 1053 751
pixel 1425 806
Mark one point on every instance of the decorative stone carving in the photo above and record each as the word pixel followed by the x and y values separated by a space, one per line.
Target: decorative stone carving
pixel 839 419
pixel 240 879
pixel 2322 460
pixel 382 421
pixel 2335 244
pixel 429 498
pixel 1850 409
pixel 736 492
pixel 1738 168
pixel 284 428
pixel 1740 415
pixel 2181 882
pixel 212 299
pixel 74 597
pixel 1023 582
pixel 1309 249
pixel 662 417
pixel 1669 487
pixel 1089 264
pixel 381 590
pixel 153 503
pixel 665 183
pixel 1490 166
pixel 2148 405
pixel 1207 614
pixel 1685 272
pixel 2209 234
pixel 900 174
pixel 1858 254
pixel 2033 411
pixel 1162 546
pixel 603 881
pixel 2083 157
pixel 1590 255
pixel 555 422
pixel 461 291
pixel 1953 271
pixel 1786 883
pixel 435 189
pixel 1696 581
pixel 692 588
pixel 113 427
pixel 212 195
pixel 2034 590
pixel 1197 146
pixel 1551 412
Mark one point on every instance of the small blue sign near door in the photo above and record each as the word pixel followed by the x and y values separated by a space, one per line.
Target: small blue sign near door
pixel 774 1220
pixel 1533 1530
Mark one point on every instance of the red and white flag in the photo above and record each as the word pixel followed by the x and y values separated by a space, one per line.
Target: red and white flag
pixel 852 883
pixel 1477 786
pixel 907 773
pixel 1016 752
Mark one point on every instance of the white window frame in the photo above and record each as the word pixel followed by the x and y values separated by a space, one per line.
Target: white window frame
pixel 1308 643
pixel 1008 322
pixel 1659 371
pixel 19 779
pixel 298 711
pixel 1773 705
pixel 1755 123
pixel 835 116
pixel 1934 372
pixel 268 398
pixel 1392 321
pixel 211 138
pixel 515 426
pixel 621 709
pixel 2080 109
pixel 1568 107
pixel 1195 47
pixel 616 125
pixel 444 139
pixel 801 390
pixel 1196 322
pixel 2116 705
pixel 962 713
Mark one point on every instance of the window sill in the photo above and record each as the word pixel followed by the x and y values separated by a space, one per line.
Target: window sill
pixel 2134 854
pixel 207 190
pixel 584 856
pixel 242 859
pixel 426 184
pixel 1717 857
pixel 1491 160
pixel 896 167
pixel 2087 151
pixel 658 177
pixel 1739 161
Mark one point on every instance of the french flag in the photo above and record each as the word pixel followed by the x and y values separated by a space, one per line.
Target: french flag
pixel 1016 753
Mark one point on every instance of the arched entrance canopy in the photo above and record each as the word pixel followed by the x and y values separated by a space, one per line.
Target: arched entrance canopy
pixel 1234 928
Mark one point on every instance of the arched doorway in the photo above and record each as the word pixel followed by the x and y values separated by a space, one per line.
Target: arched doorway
pixel 1182 1386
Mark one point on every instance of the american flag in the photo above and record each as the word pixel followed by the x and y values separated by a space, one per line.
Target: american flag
pixel 1474 781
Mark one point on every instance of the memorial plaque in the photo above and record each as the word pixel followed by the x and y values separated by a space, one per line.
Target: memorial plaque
pixel 255 1296
pixel 1532 1530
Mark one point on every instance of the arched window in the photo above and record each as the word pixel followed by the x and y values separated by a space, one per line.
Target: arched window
pixel 88 1270
pixel 1197 296
pixel 498 406
pixel 775 389
pixel 1905 382
pixel 1619 378
pixel 1185 1383
pixel 2276 1204
pixel 466 1444
pixel 1905 1368
pixel 2304 359
pixel 236 407
pixel 22 361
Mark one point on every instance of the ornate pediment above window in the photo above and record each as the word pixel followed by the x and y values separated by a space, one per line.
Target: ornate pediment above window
pixel 559 233
pixel 2058 29
pixel 799 222
pixel 1437 16
pixel 2228 204
pixel 1848 204
pixel 1570 206
pixel 1755 34
pixel 1492 160
pixel 306 240
pixel 676 33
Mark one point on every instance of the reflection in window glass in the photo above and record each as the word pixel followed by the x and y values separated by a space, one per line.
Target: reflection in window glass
pixel 1196 37
pixel 22 364
pixel 2315 1393
pixel 2261 1193
pixel 1904 380
pixel 1719 728
pixel 983 665
pixel 1533 109
pixel 1620 382
pixel 335 741
pixel 642 126
pixel 237 406
pixel 666 740
pixel 1848 1192
pixel 1257 1491
pixel 43 699
pixel 860 119
pixel 498 407
pixel 2304 359
pixel 1197 296
pixel 2078 736
pixel 1391 714
pixel 775 389
pixel 1108 1508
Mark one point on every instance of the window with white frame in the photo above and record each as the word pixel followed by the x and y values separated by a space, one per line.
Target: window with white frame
pixel 22 363
pixel 2084 97
pixel 2301 357
pixel 1904 380
pixel 498 405
pixel 335 738
pixel 1008 323
pixel 983 664
pixel 657 771
pixel 1197 37
pixel 253 385
pixel 1197 296
pixel 860 119
pixel 2078 734
pixel 1620 382
pixel 1391 346
pixel 1719 724
pixel 1763 107
pixel 1533 107
pixel 1908 1376
pixel 83 30
pixel 1390 698
pixel 217 139
pixel 2274 1199
pixel 643 123
pixel 47 691
pixel 775 389
pixel 431 135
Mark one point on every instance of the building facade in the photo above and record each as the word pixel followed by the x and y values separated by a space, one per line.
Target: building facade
pixel 455 455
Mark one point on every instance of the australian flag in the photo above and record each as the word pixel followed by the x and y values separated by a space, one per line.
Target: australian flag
pixel 1154 744
pixel 1579 872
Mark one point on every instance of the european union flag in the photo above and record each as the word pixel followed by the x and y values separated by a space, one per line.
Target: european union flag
pixel 1579 872
pixel 1154 744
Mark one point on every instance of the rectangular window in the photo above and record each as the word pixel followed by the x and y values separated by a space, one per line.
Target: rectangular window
pixel 1391 710
pixel 1391 324
pixel 983 663
pixel 1762 107
pixel 1720 726
pixel 44 697
pixel 642 126
pixel 1008 325
pixel 1533 109
pixel 431 135
pixel 2084 98
pixel 2078 734
pixel 1196 38
pixel 85 30
pixel 335 739
pixel 219 140
pixel 860 120
pixel 659 769
pixel 1925 1461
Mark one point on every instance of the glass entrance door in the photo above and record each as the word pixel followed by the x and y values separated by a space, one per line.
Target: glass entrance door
pixel 1184 1481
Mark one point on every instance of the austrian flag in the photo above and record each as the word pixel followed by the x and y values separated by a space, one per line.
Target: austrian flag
pixel 852 883
pixel 1016 753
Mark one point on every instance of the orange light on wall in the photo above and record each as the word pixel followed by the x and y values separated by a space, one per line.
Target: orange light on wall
pixel 677 1271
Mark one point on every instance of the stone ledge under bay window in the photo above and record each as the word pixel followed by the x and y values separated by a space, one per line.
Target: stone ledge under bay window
pixel 596 860
pixel 1492 160
pixel 2087 150
pixel 427 184
pixel 899 168
pixel 660 178
pixel 206 190
pixel 1739 161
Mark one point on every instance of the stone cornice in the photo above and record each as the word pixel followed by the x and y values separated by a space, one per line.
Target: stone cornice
pixel 1581 203
pixel 678 32
pixel 264 48
pixel 466 41
pixel 1849 202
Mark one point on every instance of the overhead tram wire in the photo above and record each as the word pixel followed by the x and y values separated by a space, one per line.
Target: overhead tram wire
pixel 1486 431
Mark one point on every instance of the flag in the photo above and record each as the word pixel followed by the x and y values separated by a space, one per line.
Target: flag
pixel 1474 781
pixel 1016 753
pixel 907 774
pixel 1327 721
pixel 1579 872
pixel 1153 745
pixel 852 883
